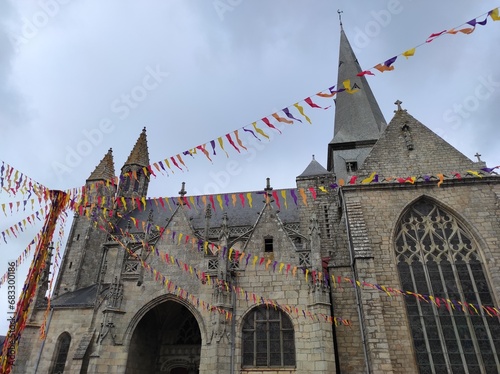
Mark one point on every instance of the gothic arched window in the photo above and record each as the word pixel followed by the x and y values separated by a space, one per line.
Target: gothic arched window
pixel 436 256
pixel 61 353
pixel 268 338
pixel 127 178
pixel 137 181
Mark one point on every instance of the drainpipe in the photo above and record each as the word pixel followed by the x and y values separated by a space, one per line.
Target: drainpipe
pixel 233 324
pixel 334 330
pixel 356 288
pixel 43 341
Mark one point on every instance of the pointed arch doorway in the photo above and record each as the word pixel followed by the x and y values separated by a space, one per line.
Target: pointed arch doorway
pixel 166 340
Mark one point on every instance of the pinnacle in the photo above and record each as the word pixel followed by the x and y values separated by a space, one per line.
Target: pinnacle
pixel 140 154
pixel 105 170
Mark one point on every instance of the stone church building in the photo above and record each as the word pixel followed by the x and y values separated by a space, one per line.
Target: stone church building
pixel 428 223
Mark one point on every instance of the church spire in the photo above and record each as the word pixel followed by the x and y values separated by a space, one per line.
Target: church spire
pixel 358 118
pixel 140 154
pixel 105 170
pixel 134 177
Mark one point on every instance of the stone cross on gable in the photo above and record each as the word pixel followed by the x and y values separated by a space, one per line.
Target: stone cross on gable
pixel 478 157
pixel 398 103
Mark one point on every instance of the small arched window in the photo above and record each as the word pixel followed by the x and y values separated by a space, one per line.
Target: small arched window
pixel 268 338
pixel 61 353
pixel 127 176
pixel 437 257
pixel 137 181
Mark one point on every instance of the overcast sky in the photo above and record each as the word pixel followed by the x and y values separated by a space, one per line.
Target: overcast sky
pixel 69 71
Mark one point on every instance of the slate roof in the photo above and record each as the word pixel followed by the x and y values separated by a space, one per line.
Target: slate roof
pixel 357 116
pixel 105 170
pixel 84 297
pixel 314 168
pixel 429 153
pixel 237 213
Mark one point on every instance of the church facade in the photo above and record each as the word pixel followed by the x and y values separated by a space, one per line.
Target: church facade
pixel 344 252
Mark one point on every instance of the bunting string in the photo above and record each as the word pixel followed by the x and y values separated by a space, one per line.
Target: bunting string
pixel 20 226
pixel 283 198
pixel 23 256
pixel 13 181
pixel 15 206
pixel 242 260
pixel 288 115
pixel 18 321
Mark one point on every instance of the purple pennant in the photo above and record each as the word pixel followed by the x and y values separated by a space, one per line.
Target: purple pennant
pixel 472 22
pixel 390 61
pixel 224 252
pixel 274 265
pixel 334 186
pixel 482 23
pixel 375 179
pixel 3 234
pixel 427 178
pixel 1 174
pixel 250 131
pixel 226 198
pixel 248 258
pixel 294 196
pixel 331 89
pixel 186 153
pixel 290 115
pixel 212 143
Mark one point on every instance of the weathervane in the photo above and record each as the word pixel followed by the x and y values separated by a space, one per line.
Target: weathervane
pixel 340 16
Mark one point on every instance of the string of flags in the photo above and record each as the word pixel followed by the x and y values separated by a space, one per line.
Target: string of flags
pixel 242 260
pixel 14 181
pixel 282 198
pixel 468 28
pixel 287 115
pixel 15 206
pixel 56 257
pixel 205 278
pixel 18 322
pixel 20 226
pixel 20 259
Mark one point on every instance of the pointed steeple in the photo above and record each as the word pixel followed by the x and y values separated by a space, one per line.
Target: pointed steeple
pixel 105 170
pixel 140 154
pixel 134 177
pixel 358 118
pixel 313 169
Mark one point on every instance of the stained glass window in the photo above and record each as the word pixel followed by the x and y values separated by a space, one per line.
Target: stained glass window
pixel 268 338
pixel 436 256
pixel 61 353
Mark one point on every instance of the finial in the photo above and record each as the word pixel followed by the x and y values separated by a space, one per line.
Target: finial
pixel 183 191
pixel 144 129
pixel 398 103
pixel 478 157
pixel 268 188
pixel 340 16
pixel 313 158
